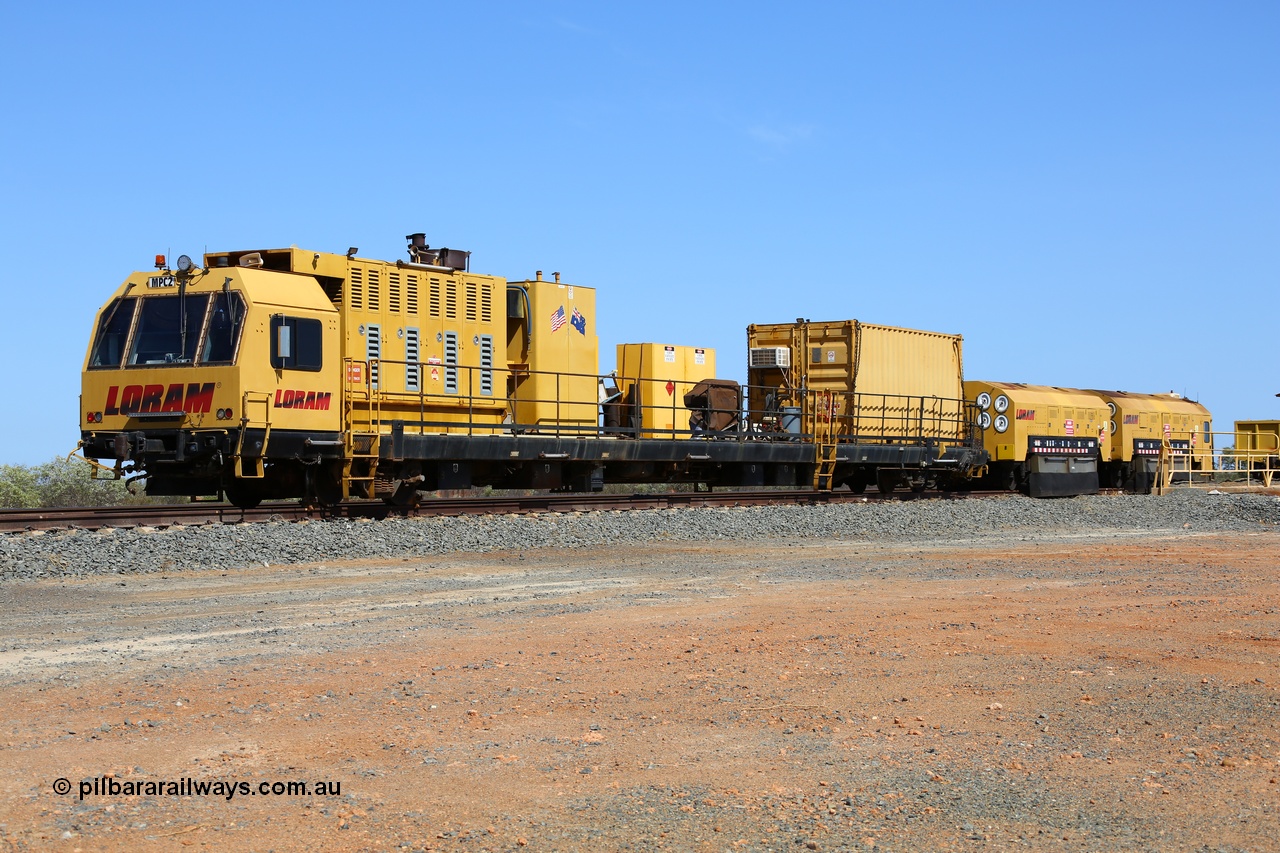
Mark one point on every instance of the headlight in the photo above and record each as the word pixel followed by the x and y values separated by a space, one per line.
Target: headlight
pixel 1002 403
pixel 1002 423
pixel 984 401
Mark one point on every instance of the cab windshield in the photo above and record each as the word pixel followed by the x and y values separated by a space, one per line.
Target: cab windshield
pixel 168 329
pixel 152 331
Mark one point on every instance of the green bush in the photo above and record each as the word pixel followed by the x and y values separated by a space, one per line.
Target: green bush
pixel 61 482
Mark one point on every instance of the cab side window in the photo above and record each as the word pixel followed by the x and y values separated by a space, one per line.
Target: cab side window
pixel 296 343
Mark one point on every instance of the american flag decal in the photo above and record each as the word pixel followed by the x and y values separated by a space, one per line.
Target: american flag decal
pixel 557 319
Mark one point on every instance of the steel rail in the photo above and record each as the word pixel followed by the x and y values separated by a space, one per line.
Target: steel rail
pixel 207 512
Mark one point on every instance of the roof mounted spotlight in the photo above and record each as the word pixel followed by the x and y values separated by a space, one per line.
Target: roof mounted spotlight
pixel 184 263
pixel 351 252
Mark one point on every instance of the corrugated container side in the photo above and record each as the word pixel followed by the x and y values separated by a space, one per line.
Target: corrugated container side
pixel 871 381
pixel 905 361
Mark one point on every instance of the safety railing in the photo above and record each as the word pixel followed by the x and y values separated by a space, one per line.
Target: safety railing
pixel 880 418
pixel 1197 459
pixel 521 401
pixel 372 406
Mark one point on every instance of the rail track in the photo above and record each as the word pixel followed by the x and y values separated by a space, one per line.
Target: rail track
pixel 207 512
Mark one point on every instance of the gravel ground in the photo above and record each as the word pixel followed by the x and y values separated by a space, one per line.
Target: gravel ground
pixel 1074 675
pixel 27 556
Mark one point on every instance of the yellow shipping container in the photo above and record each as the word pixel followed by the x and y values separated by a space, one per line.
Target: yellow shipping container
pixel 654 378
pixel 875 383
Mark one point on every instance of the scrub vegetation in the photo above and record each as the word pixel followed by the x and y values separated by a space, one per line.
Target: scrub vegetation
pixel 61 482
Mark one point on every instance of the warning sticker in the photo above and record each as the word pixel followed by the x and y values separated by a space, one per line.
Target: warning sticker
pixel 699 356
pixel 1069 426
pixel 669 354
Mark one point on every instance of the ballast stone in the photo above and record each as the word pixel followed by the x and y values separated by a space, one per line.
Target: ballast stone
pixel 25 556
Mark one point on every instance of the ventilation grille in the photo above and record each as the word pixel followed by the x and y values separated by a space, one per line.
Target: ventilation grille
pixel 486 365
pixel 412 370
pixel 411 294
pixel 486 303
pixel 451 362
pixel 451 300
pixel 433 297
pixel 373 351
pixel 393 292
pixel 374 295
pixel 471 301
pixel 770 357
pixel 357 288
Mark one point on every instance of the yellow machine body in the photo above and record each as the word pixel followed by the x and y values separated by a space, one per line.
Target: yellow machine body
pixel 1139 423
pixel 142 369
pixel 654 378
pixel 554 356
pixel 1013 415
pixel 420 344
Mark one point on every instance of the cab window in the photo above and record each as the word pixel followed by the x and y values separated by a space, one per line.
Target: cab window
pixel 168 330
pixel 296 343
pixel 113 333
pixel 226 317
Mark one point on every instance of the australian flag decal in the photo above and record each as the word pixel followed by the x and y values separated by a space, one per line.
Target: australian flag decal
pixel 578 322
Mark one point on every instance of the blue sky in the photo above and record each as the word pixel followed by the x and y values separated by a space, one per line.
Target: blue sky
pixel 1088 192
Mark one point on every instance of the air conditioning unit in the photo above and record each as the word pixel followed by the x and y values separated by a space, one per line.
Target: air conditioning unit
pixel 770 357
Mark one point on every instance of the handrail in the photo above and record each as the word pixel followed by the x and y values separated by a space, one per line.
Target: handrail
pixel 1195 458
pixel 656 409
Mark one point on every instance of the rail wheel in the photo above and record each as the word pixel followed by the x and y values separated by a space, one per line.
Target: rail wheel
pixel 406 495
pixel 886 481
pixel 243 494
pixel 324 484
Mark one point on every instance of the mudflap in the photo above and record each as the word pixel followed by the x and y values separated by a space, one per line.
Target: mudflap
pixel 1062 484
pixel 1061 476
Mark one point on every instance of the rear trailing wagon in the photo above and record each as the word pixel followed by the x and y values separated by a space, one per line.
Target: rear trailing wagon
pixel 1145 426
pixel 1047 441
pixel 1050 441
